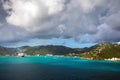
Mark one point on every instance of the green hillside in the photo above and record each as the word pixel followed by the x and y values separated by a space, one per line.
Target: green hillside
pixel 103 51
pixel 100 51
pixel 50 49
pixel 7 51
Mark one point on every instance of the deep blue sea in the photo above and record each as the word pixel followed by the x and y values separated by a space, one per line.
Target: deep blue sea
pixel 57 68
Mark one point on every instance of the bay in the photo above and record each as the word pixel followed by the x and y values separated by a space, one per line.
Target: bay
pixel 57 68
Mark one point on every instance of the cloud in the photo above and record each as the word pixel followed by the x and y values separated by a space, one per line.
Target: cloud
pixel 83 20
pixel 12 34
pixel 105 33
pixel 31 13
pixel 114 21
pixel 1 24
pixel 88 5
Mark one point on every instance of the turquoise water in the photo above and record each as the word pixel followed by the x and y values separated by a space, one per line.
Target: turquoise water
pixel 63 61
pixel 58 65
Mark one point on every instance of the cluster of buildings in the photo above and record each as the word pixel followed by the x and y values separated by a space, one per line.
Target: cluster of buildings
pixel 113 59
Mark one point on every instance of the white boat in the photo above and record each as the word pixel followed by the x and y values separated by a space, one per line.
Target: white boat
pixel 21 54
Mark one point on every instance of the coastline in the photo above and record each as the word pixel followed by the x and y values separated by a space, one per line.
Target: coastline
pixel 67 56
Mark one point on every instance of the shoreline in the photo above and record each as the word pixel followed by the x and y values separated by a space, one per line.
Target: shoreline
pixel 109 59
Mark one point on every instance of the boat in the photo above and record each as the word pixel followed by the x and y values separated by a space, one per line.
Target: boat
pixel 21 55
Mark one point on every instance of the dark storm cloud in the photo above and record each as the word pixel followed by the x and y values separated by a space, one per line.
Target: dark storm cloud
pixel 83 20
pixel 3 14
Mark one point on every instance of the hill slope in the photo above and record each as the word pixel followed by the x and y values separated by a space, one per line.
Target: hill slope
pixel 100 51
pixel 103 51
pixel 7 51
pixel 50 49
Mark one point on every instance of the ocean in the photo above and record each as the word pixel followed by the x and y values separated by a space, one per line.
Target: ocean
pixel 57 68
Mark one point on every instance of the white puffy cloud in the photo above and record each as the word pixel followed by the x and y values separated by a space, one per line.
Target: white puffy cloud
pixel 31 13
pixel 84 20
pixel 90 5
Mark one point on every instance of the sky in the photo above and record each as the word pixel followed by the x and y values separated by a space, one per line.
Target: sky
pixel 73 23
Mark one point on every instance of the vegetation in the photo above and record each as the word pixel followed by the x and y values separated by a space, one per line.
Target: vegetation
pixel 43 50
pixel 103 50
pixel 7 51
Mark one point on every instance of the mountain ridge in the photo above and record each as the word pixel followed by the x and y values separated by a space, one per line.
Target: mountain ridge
pixel 103 50
pixel 99 51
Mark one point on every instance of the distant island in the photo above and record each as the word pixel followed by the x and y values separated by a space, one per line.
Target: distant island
pixel 102 51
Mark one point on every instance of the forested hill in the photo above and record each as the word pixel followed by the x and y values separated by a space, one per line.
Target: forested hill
pixel 50 49
pixel 103 50
pixel 7 51
pixel 39 50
